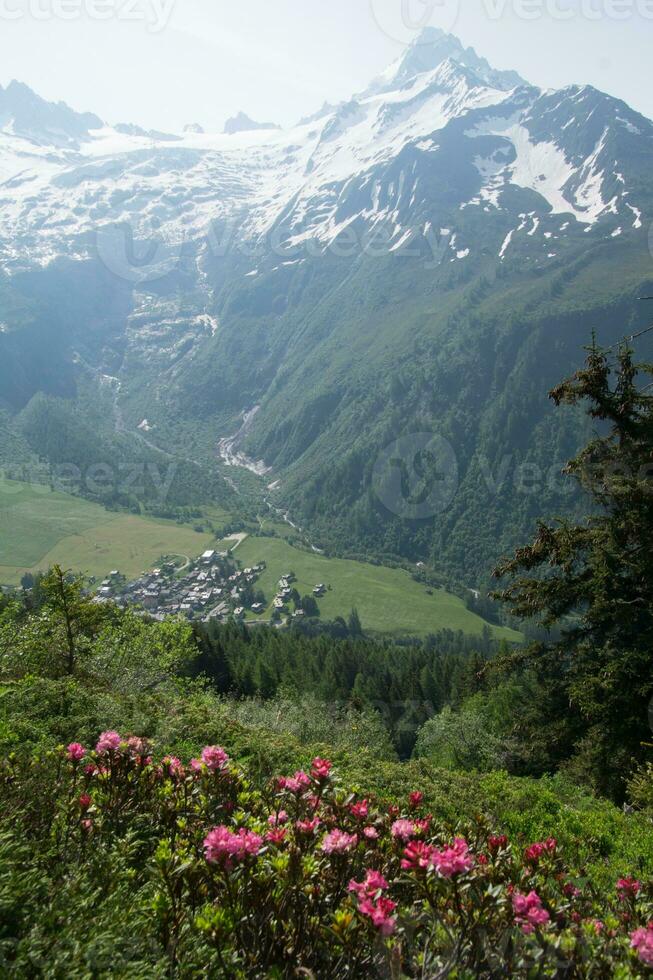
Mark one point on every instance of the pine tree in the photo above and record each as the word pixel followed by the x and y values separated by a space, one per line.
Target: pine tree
pixel 594 580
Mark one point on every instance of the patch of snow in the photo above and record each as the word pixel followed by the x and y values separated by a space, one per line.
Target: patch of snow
pixel 506 243
pixel 407 235
pixel 637 223
pixel 629 126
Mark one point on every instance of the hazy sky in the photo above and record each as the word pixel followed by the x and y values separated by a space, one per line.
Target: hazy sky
pixel 165 63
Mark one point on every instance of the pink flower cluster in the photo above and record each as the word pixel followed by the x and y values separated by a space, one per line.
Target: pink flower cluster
pixel 418 856
pixel 338 842
pixel 628 888
pixel 403 829
pixel 222 846
pixel 108 742
pixel 139 748
pixel 307 826
pixel 533 853
pixel 360 810
pixel 75 752
pixel 173 766
pixel 296 784
pixel 529 913
pixel 448 862
pixel 275 819
pixel 320 769
pixel 373 904
pixel 214 758
pixel 453 860
pixel 642 941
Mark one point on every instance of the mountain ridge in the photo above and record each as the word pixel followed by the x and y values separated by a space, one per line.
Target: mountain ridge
pixel 370 249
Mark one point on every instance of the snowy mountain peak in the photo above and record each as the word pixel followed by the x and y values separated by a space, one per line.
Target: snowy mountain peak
pixel 25 113
pixel 441 140
pixel 430 50
pixel 241 123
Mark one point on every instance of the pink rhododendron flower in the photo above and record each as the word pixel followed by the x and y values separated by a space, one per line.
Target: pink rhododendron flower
pixel 320 769
pixel 138 747
pixel 380 913
pixel 338 842
pixel 214 758
pixel 87 826
pixel 360 810
pixel 108 742
pixel 415 800
pixel 533 853
pixel 371 902
pixel 278 818
pixel 497 843
pixel 307 826
pixel 453 860
pixel 76 752
pixel 276 836
pixel 294 784
pixel 403 829
pixel 628 888
pixel 529 913
pixel 642 941
pixel 371 887
pixel 418 856
pixel 221 845
pixel 173 765
pixel 84 801
pixel 371 833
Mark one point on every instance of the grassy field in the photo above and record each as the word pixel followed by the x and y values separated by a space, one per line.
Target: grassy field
pixel 39 527
pixel 388 600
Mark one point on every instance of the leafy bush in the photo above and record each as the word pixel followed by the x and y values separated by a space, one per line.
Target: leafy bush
pixel 113 863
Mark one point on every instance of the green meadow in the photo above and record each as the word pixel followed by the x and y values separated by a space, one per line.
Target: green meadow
pixel 388 600
pixel 40 527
